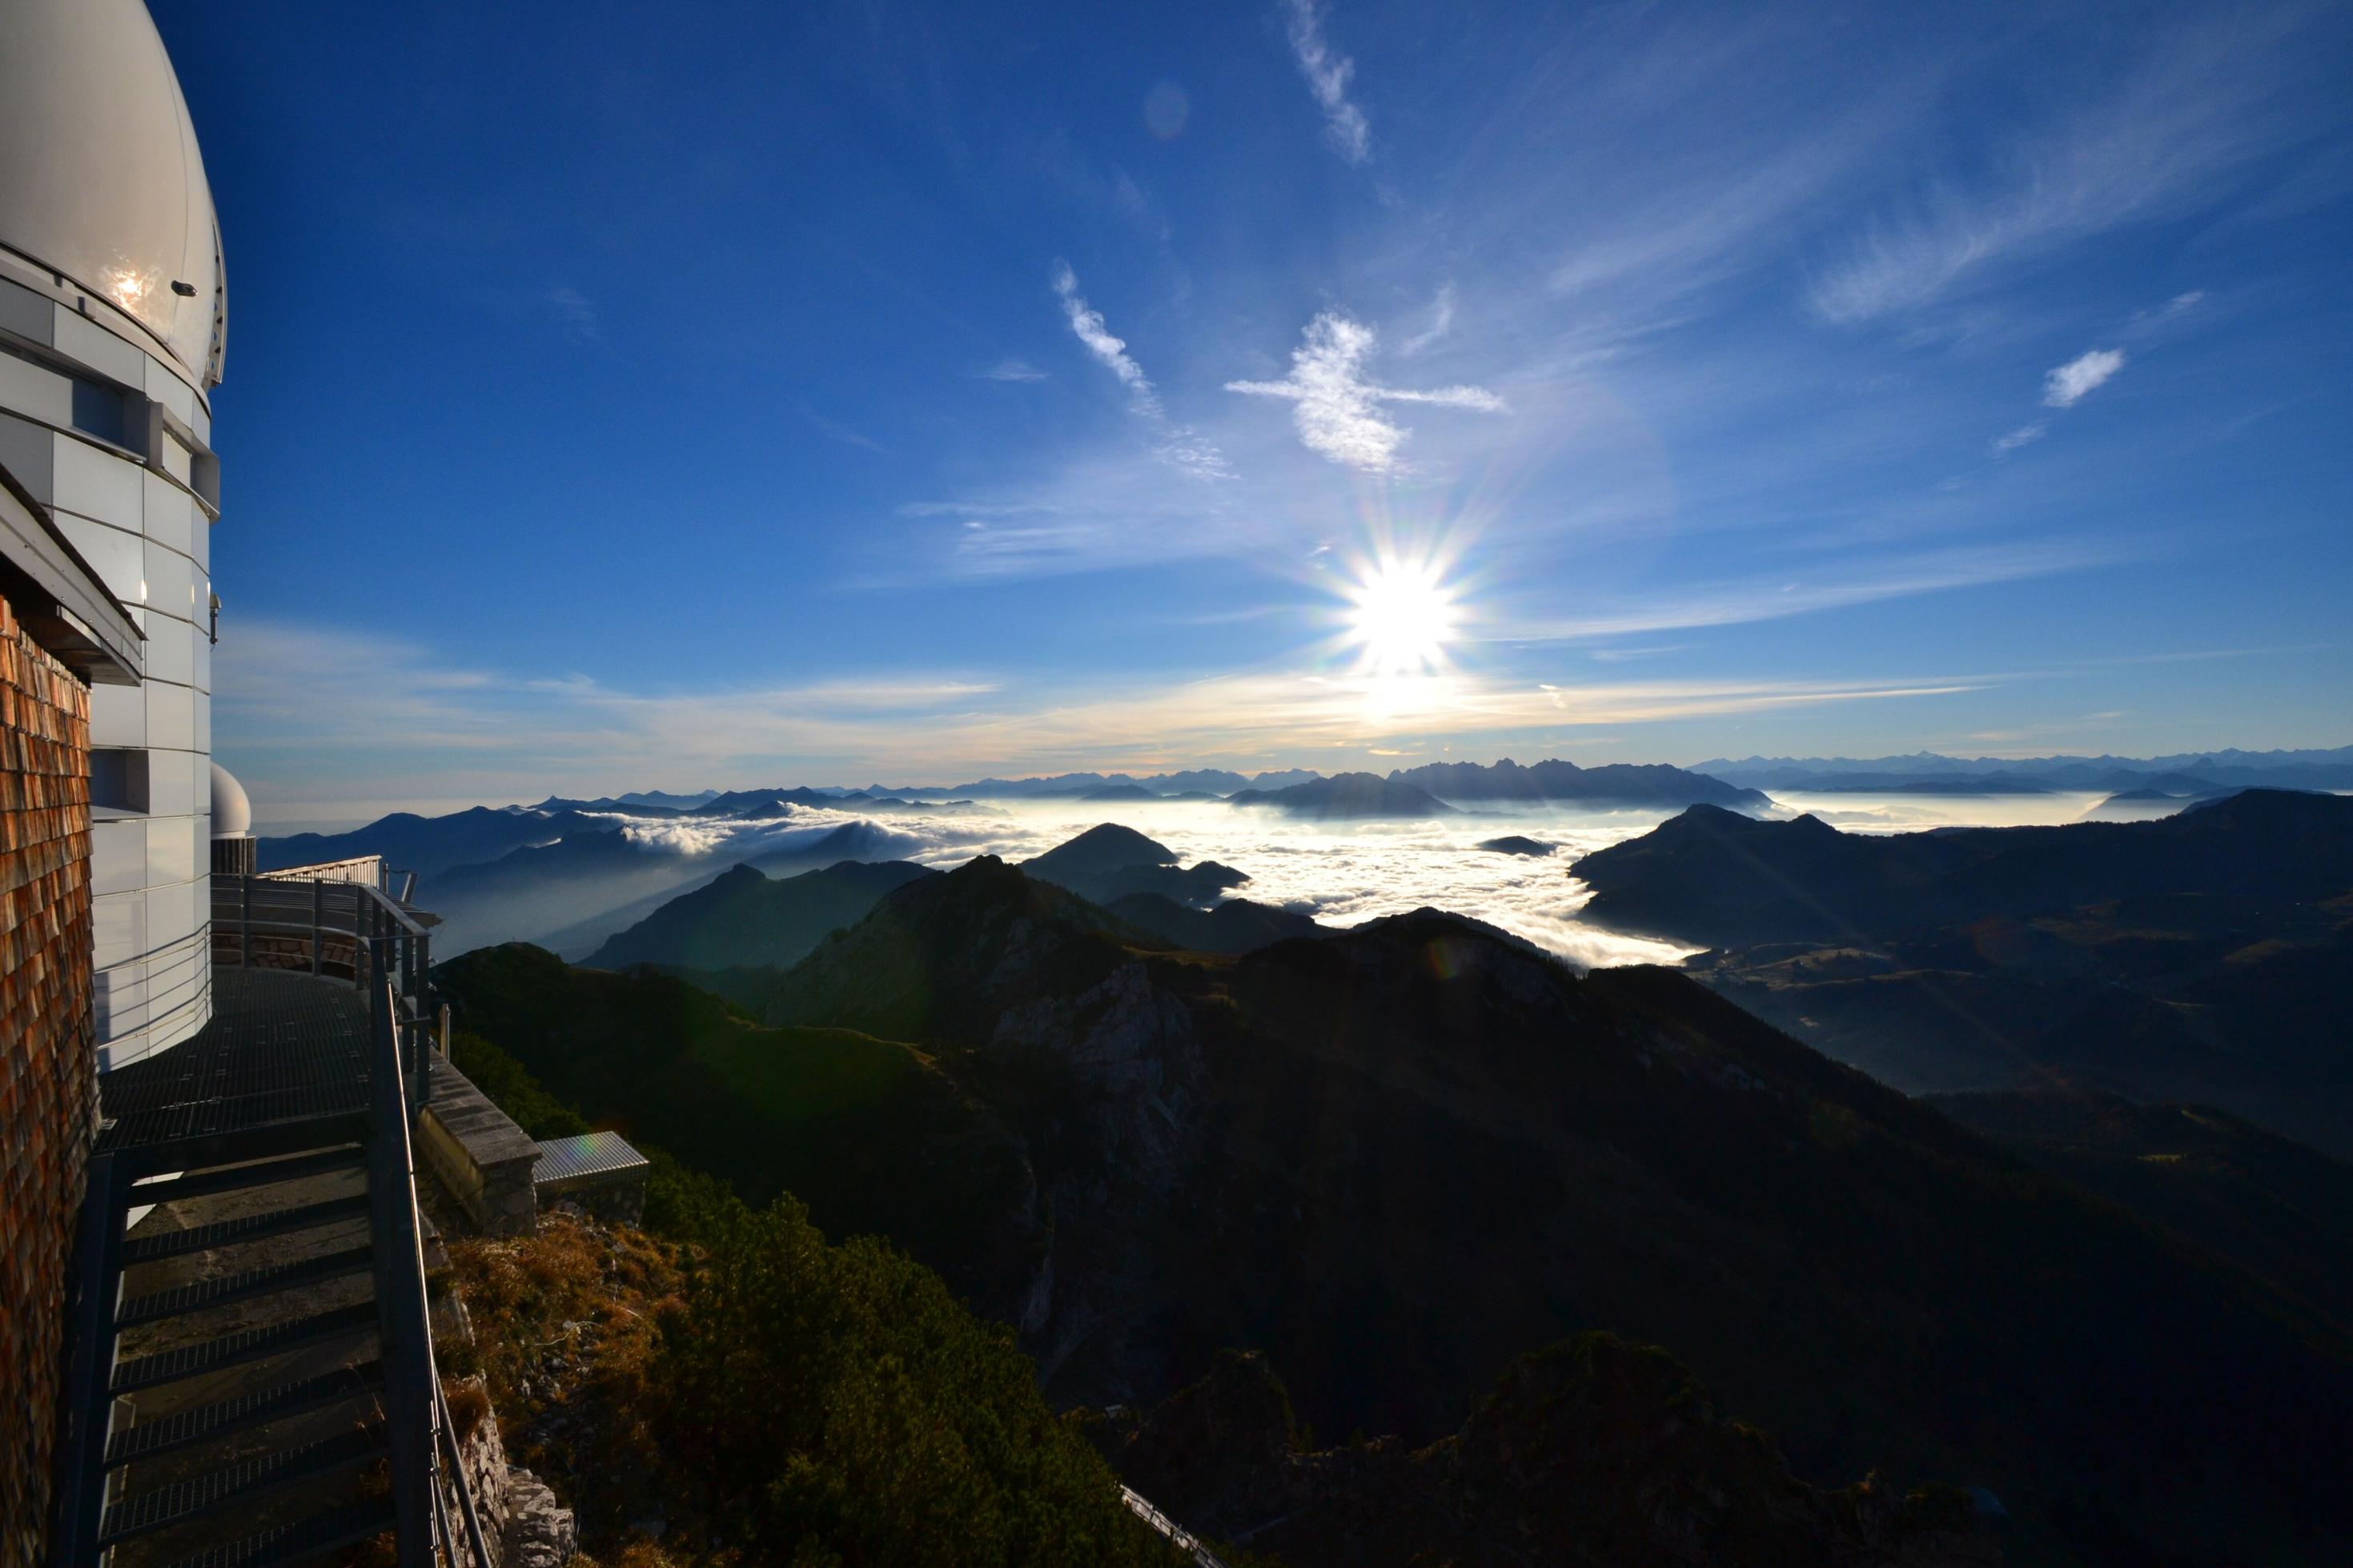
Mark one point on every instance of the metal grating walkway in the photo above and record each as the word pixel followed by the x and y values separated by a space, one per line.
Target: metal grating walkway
pixel 280 1047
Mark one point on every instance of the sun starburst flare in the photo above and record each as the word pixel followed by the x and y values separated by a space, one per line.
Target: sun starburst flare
pixel 1402 617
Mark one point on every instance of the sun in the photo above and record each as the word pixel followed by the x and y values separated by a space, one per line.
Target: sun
pixel 1403 618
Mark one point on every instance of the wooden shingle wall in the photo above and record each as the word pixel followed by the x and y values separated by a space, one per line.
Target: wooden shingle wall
pixel 48 1075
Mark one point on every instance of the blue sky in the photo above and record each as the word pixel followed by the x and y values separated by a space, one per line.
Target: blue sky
pixel 622 397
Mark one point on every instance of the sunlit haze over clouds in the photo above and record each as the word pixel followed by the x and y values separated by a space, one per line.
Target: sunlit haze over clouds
pixel 686 398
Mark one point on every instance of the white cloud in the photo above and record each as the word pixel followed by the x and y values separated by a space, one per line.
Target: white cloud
pixel 1327 75
pixel 2066 386
pixel 1010 369
pixel 1092 330
pixel 2024 436
pixel 1178 447
pixel 1337 410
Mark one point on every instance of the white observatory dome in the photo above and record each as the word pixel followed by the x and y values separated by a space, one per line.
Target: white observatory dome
pixel 232 813
pixel 100 177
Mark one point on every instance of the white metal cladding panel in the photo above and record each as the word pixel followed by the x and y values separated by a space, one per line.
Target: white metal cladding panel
pixel 171 652
pixel 118 716
pixel 98 483
pixel 170 391
pixel 86 342
pixel 174 914
pixel 178 783
pixel 171 514
pixel 29 389
pixel 171 581
pixel 172 850
pixel 118 855
pixel 584 1155
pixel 171 716
pixel 117 555
pixel 119 924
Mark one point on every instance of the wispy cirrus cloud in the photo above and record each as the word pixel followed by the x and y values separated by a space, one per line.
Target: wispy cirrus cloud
pixel 1337 411
pixel 2198 105
pixel 573 312
pixel 1442 322
pixel 1733 603
pixel 834 430
pixel 1011 368
pixel 1178 445
pixel 2067 384
pixel 1328 74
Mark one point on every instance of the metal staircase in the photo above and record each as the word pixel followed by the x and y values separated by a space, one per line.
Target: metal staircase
pixel 258 1386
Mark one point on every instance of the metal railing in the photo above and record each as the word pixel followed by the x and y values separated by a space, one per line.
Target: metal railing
pixel 427 1467
pixel 1183 1539
pixel 338 929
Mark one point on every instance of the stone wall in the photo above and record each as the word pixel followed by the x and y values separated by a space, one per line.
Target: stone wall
pixel 48 1068
pixel 523 1524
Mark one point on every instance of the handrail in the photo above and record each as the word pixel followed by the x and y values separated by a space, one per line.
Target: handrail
pixel 1183 1539
pixel 360 920
pixel 403 1309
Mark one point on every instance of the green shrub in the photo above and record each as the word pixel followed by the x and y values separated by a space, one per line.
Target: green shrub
pixel 823 1404
pixel 837 1404
pixel 510 1087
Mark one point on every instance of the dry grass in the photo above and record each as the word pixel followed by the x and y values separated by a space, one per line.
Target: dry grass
pixel 565 1325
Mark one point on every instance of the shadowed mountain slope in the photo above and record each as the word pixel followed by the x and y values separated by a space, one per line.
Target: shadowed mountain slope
pixel 872 1135
pixel 2275 1207
pixel 1392 1156
pixel 1108 862
pixel 2200 959
pixel 1237 925
pixel 1593 1453
pixel 743 918
pixel 1717 878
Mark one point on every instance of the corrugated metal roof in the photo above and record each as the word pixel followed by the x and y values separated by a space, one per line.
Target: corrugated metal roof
pixel 566 1161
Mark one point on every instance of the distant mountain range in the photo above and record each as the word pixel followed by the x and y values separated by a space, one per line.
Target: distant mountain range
pixel 1555 779
pixel 1616 784
pixel 1346 796
pixel 2326 768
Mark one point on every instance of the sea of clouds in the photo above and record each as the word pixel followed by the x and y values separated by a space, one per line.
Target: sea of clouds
pixel 1340 873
